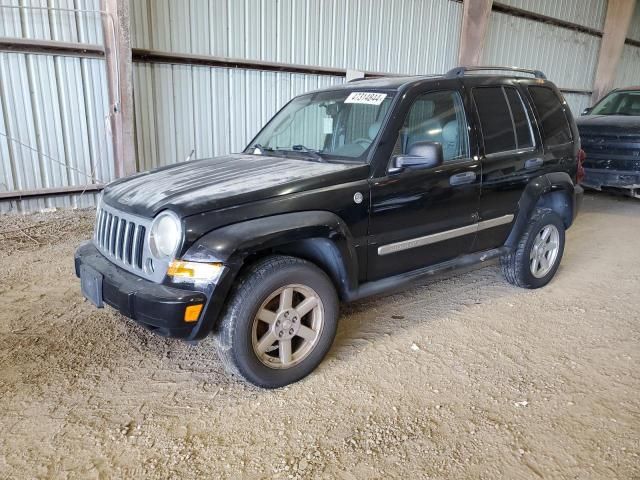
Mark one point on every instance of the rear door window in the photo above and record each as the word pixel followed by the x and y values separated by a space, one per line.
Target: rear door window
pixel 552 114
pixel 495 119
pixel 503 119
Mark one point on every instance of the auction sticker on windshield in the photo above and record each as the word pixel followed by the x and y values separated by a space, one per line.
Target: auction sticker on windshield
pixel 368 98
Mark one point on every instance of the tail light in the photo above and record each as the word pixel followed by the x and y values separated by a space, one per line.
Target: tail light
pixel 582 155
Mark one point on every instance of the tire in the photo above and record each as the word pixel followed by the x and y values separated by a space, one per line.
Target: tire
pixel 518 267
pixel 243 339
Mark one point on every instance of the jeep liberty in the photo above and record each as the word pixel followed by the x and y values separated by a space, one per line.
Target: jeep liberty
pixel 348 191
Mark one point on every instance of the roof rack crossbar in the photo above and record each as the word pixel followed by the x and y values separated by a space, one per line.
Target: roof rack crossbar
pixel 460 71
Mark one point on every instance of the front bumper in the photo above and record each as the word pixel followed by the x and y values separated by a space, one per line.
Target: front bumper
pixel 158 307
pixel 603 178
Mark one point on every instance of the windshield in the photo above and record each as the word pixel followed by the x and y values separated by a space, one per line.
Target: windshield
pixel 329 125
pixel 619 103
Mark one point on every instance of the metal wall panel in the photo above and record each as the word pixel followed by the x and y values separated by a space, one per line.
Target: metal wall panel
pixel 53 109
pixel 577 102
pixel 215 110
pixel 628 73
pixel 589 13
pixel 569 58
pixel 407 36
pixel 634 26
pixel 212 111
pixel 40 19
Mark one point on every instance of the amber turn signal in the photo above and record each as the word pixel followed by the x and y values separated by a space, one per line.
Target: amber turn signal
pixel 192 313
pixel 195 271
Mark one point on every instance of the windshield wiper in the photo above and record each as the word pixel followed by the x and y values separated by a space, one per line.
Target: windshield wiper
pixel 312 153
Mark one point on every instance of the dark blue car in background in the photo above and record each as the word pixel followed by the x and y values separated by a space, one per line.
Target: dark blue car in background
pixel 610 133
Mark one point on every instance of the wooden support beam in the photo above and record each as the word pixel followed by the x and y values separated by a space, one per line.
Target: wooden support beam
pixel 616 26
pixel 117 45
pixel 475 19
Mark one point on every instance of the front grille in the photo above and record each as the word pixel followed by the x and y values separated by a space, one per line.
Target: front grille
pixel 607 150
pixel 120 238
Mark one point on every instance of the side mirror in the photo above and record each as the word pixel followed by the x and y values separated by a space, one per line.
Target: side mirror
pixel 421 155
pixel 586 111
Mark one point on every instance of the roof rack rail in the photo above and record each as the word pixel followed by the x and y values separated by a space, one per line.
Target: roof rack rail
pixel 460 71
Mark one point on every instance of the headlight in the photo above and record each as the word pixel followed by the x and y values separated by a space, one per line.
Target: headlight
pixel 165 235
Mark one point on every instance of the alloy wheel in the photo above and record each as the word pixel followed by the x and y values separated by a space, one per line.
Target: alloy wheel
pixel 287 326
pixel 544 251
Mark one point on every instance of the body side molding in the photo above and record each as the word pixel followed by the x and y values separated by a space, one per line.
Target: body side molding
pixel 442 236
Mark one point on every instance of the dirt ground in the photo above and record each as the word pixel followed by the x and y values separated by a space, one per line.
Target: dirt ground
pixel 466 377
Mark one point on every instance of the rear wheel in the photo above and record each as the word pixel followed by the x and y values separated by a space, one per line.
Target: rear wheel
pixel 279 323
pixel 537 256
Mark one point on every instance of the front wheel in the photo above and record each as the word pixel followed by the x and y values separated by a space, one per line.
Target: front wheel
pixel 537 256
pixel 279 323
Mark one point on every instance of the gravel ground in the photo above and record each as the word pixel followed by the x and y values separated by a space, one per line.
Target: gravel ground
pixel 465 377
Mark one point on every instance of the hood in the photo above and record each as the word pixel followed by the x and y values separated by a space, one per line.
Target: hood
pixel 608 123
pixel 193 187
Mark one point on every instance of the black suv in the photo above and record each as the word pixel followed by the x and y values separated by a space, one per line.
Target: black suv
pixel 348 191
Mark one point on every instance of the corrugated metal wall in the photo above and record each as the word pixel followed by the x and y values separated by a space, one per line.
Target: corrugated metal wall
pixel 212 111
pixel 216 111
pixel 589 13
pixel 628 73
pixel 634 27
pixel 408 36
pixel 52 108
pixel 568 57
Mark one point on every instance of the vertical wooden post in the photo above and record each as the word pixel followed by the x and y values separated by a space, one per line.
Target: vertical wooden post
pixel 475 19
pixel 616 25
pixel 117 43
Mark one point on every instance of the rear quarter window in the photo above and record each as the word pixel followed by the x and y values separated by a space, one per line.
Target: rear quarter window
pixel 555 129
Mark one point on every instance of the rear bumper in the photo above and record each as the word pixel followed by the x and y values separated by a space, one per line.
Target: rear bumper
pixel 158 307
pixel 598 178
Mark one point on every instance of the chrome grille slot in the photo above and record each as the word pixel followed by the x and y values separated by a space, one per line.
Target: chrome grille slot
pixel 112 235
pixel 138 243
pixel 126 247
pixel 121 238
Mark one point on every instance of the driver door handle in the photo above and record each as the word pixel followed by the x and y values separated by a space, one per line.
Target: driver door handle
pixel 462 178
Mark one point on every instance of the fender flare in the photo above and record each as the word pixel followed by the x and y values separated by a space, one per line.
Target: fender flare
pixel 319 236
pixel 560 185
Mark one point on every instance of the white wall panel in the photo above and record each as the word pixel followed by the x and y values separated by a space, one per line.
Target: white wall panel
pixel 53 132
pixel 64 20
pixel 405 36
pixel 53 129
pixel 634 26
pixel 628 73
pixel 589 13
pixel 567 57
pixel 577 102
pixel 210 110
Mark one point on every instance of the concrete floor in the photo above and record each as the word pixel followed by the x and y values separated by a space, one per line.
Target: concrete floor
pixel 466 377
